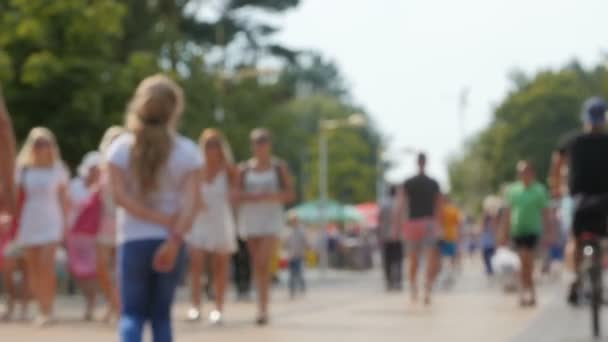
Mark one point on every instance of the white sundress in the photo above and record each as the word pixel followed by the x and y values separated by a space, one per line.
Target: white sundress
pixel 42 215
pixel 214 228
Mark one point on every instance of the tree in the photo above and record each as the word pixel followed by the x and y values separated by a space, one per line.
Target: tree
pixel 72 65
pixel 526 125
pixel 60 61
pixel 352 152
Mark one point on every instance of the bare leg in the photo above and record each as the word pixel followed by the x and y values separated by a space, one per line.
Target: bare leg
pixel 254 246
pixel 89 291
pixel 433 266
pixel 527 270
pixel 10 267
pixel 32 262
pixel 262 250
pixel 105 256
pixel 220 277
pixel 48 284
pixel 413 272
pixel 197 261
pixel 24 295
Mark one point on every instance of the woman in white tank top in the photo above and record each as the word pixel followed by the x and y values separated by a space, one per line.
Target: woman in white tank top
pixel 213 233
pixel 264 186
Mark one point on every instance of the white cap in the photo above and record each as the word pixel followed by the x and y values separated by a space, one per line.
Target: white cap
pixel 90 160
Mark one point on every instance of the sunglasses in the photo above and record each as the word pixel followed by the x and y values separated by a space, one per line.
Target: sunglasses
pixel 212 144
pixel 41 144
pixel 261 140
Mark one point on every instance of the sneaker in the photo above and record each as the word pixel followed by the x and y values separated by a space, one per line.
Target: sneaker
pixel 44 321
pixel 194 315
pixel 573 295
pixel 262 321
pixel 215 317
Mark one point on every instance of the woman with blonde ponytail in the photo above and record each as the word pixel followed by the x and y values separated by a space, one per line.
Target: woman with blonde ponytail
pixel 154 177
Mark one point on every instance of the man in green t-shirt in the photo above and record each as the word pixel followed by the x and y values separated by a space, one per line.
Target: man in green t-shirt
pixel 526 215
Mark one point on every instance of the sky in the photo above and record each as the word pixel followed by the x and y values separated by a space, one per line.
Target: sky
pixel 408 61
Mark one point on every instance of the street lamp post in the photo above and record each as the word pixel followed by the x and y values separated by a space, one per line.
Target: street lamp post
pixel 323 255
pixel 325 125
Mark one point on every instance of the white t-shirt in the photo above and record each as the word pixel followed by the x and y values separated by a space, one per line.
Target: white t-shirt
pixel 184 158
pixel 77 191
pixel 296 243
pixel 42 215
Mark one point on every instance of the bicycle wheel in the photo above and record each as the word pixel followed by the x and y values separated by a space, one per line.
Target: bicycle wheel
pixel 595 273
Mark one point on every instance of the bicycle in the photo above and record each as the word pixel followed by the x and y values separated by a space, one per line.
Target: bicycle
pixel 591 277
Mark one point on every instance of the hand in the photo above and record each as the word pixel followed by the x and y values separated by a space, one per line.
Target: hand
pixel 5 223
pixel 8 205
pixel 168 221
pixel 166 256
pixel 257 196
pixel 271 197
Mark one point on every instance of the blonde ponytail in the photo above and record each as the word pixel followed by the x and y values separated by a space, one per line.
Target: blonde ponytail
pixel 151 117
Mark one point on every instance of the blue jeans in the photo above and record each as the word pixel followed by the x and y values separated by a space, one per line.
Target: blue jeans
pixel 145 295
pixel 296 276
pixel 488 253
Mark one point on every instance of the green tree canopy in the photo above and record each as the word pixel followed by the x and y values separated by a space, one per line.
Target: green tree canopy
pixel 527 124
pixel 72 65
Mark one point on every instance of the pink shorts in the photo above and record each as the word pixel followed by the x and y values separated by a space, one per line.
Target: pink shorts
pixel 422 231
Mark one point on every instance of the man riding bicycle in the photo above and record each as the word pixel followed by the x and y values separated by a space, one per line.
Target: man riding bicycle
pixel 585 155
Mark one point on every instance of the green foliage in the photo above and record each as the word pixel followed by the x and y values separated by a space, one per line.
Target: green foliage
pixel 60 56
pixel 351 152
pixel 527 125
pixel 72 65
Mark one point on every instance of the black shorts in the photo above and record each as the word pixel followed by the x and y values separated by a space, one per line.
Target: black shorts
pixel 527 241
pixel 591 215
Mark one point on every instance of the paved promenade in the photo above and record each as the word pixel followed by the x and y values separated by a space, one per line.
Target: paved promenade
pixel 352 307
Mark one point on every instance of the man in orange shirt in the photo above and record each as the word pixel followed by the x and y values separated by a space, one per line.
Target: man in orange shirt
pixel 450 232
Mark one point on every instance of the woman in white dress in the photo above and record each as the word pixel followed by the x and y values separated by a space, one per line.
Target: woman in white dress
pixel 264 186
pixel 213 234
pixel 40 172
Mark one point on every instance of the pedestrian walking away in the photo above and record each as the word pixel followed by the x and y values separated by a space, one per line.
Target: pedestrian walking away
pixel 420 200
pixel 154 178
pixel 391 238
